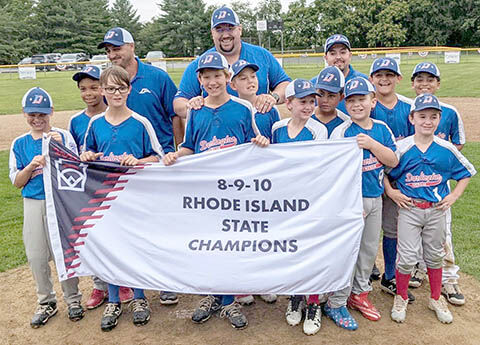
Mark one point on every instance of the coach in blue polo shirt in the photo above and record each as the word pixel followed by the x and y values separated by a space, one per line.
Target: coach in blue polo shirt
pixel 338 53
pixel 152 89
pixel 226 33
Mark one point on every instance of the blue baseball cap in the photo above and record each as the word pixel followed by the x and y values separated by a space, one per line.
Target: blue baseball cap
pixel 427 67
pixel 37 100
pixel 358 86
pixel 224 15
pixel 116 37
pixel 240 65
pixel 330 79
pixel 336 39
pixel 92 72
pixel 213 60
pixel 425 101
pixel 385 63
pixel 300 88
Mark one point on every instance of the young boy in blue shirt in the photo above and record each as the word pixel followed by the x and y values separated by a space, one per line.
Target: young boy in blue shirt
pixel 223 121
pixel 26 171
pixel 393 109
pixel 426 165
pixel 378 144
pixel 121 135
pixel 300 100
pixel 245 82
pixel 426 79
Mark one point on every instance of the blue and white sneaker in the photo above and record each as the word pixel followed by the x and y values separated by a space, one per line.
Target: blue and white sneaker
pixel 341 317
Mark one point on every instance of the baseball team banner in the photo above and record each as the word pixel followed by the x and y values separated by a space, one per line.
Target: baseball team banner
pixel 284 219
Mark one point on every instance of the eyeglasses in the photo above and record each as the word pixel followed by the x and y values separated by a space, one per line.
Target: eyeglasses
pixel 223 29
pixel 111 90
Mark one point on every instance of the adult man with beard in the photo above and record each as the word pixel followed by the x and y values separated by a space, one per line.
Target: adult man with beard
pixel 226 33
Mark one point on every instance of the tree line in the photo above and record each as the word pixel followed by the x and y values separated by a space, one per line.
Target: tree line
pixel 183 27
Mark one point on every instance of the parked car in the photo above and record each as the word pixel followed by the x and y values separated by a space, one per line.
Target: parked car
pixel 66 60
pixel 101 61
pixel 38 59
pixel 25 61
pixel 54 56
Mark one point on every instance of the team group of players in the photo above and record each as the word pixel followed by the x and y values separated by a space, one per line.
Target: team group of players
pixel 410 152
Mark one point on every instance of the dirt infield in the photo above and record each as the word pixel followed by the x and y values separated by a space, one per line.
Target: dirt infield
pixel 267 325
pixel 14 125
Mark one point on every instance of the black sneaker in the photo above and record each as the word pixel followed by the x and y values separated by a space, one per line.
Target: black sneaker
pixel 417 278
pixel 207 307
pixel 313 319
pixel 453 294
pixel 141 311
pixel 43 313
pixel 167 297
pixel 390 287
pixel 375 275
pixel 234 313
pixel 75 311
pixel 110 316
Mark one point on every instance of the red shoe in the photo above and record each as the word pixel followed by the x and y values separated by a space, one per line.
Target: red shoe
pixel 364 306
pixel 96 298
pixel 126 294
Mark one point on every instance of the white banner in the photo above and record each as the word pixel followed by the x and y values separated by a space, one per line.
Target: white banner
pixel 284 219
pixel 452 57
pixel 27 73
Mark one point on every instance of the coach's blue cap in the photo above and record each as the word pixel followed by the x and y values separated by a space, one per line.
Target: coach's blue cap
pixel 92 72
pixel 116 37
pixel 425 101
pixel 427 67
pixel 224 15
pixel 213 60
pixel 385 63
pixel 240 65
pixel 300 88
pixel 330 79
pixel 336 39
pixel 37 100
pixel 358 86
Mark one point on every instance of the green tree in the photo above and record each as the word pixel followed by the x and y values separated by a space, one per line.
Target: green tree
pixel 183 28
pixel 15 41
pixel 248 20
pixel 124 15
pixel 301 26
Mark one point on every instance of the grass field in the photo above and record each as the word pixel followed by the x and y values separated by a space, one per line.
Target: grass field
pixel 455 81
pixel 466 220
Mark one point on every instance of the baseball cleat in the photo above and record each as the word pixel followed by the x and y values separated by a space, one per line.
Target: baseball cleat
pixel 234 313
pixel 110 316
pixel 390 287
pixel 440 308
pixel 364 306
pixel 96 298
pixel 43 313
pixel 341 317
pixel 453 294
pixel 399 309
pixel 208 306
pixel 313 319
pixel 245 299
pixel 295 309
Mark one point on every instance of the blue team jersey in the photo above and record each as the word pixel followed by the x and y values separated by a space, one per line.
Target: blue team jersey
pixel 352 73
pixel 265 121
pixel 230 124
pixel 22 151
pixel 424 175
pixel 134 136
pixel 372 168
pixel 335 122
pixel 451 127
pixel 396 118
pixel 313 130
pixel 269 75
pixel 78 127
pixel 152 97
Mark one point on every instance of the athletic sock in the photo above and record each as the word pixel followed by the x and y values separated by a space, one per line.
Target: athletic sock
pixel 435 278
pixel 113 293
pixel 313 299
pixel 227 299
pixel 389 256
pixel 402 284
pixel 138 293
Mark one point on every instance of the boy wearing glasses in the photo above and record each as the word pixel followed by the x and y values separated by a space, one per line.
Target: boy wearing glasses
pixel 121 135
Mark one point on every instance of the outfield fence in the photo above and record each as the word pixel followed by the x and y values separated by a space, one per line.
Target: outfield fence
pixel 405 55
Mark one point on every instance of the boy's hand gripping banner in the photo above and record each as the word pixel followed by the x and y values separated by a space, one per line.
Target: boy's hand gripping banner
pixel 286 219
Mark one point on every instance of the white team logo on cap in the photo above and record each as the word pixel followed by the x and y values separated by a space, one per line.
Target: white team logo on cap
pixel 306 85
pixel 71 176
pixel 328 78
pixel 222 14
pixel 38 99
pixel 208 59
pixel 109 34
